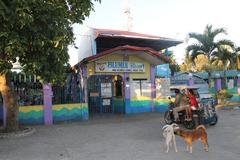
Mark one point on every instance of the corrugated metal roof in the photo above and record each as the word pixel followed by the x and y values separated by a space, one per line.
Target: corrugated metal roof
pixel 214 74
pixel 121 33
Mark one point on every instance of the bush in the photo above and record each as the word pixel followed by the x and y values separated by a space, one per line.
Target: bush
pixel 223 95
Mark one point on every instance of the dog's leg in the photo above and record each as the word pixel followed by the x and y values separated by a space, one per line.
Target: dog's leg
pixel 174 143
pixel 167 144
pixel 205 146
pixel 190 146
pixel 187 147
pixel 205 143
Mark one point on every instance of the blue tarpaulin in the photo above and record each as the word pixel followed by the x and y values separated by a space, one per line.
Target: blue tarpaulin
pixel 163 70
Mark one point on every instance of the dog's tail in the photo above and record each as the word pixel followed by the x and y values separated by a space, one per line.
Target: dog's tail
pixel 201 130
pixel 166 126
pixel 172 126
pixel 201 127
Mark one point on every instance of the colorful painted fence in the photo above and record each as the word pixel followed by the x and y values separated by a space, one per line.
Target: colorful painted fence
pixel 62 112
pixel 161 104
pixel 31 114
pixel 145 104
pixel 119 106
pixel 140 104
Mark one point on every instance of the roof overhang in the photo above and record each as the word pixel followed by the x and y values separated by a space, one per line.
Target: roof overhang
pixel 148 54
pixel 107 39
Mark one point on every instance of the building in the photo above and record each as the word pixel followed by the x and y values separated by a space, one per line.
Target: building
pixel 117 71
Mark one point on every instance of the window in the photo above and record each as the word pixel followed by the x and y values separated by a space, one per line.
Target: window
pixel 141 87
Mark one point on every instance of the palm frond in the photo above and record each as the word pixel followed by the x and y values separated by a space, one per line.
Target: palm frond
pixel 225 42
pixel 196 36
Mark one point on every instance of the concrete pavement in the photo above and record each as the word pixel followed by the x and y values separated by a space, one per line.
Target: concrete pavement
pixel 121 137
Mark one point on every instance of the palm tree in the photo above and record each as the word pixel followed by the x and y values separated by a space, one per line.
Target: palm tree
pixel 206 44
pixel 226 57
pixel 187 64
pixel 237 54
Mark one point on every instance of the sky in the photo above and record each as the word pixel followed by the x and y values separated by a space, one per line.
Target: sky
pixel 165 18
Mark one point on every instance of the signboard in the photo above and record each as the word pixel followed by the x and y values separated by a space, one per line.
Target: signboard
pixel 94 94
pixel 119 66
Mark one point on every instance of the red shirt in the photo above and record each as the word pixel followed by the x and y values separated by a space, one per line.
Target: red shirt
pixel 193 101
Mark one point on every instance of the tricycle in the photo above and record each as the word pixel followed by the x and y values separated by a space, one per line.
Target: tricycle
pixel 205 114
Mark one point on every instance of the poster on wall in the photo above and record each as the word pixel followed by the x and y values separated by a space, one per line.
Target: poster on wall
pixel 106 89
pixel 162 87
pixel 119 66
pixel 106 102
pixel 135 89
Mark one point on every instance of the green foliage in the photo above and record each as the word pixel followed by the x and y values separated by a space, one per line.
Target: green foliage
pixel 174 67
pixel 39 32
pixel 223 94
pixel 206 43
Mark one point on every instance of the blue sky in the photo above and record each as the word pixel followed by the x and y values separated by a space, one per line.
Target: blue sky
pixel 166 18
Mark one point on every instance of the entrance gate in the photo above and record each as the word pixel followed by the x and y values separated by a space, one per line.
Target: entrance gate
pixel 100 94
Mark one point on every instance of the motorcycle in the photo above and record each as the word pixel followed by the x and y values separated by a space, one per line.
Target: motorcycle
pixel 208 114
pixel 169 117
pixel 205 114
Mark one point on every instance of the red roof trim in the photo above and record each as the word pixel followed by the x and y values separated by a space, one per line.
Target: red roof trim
pixel 126 47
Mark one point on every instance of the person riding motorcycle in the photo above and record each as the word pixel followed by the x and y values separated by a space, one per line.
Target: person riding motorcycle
pixel 181 103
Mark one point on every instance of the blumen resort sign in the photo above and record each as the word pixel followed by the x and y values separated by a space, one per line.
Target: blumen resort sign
pixel 119 66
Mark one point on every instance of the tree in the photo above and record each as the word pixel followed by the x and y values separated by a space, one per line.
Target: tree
pixel 226 58
pixel 187 65
pixel 206 44
pixel 38 32
pixel 174 67
pixel 237 61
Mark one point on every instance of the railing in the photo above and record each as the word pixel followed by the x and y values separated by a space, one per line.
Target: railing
pixel 30 91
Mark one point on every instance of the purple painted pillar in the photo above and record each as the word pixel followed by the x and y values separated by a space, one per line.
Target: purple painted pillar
pixel 153 87
pixel 126 88
pixel 218 84
pixel 238 84
pixel 47 101
pixel 84 85
pixel 190 80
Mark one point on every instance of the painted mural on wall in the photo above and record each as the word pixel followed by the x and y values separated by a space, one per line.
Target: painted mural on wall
pixel 62 112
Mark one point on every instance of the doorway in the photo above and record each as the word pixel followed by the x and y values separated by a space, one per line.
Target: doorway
pixel 104 92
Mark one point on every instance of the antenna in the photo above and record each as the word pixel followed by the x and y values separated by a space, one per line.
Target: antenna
pixel 127 14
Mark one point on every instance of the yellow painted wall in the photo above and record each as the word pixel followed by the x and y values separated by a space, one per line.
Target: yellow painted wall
pixel 119 57
pixel 112 57
pixel 145 74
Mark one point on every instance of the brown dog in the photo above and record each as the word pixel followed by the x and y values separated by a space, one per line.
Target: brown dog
pixel 191 136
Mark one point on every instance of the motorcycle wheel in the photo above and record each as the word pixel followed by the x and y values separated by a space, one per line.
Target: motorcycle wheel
pixel 189 124
pixel 167 117
pixel 214 120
